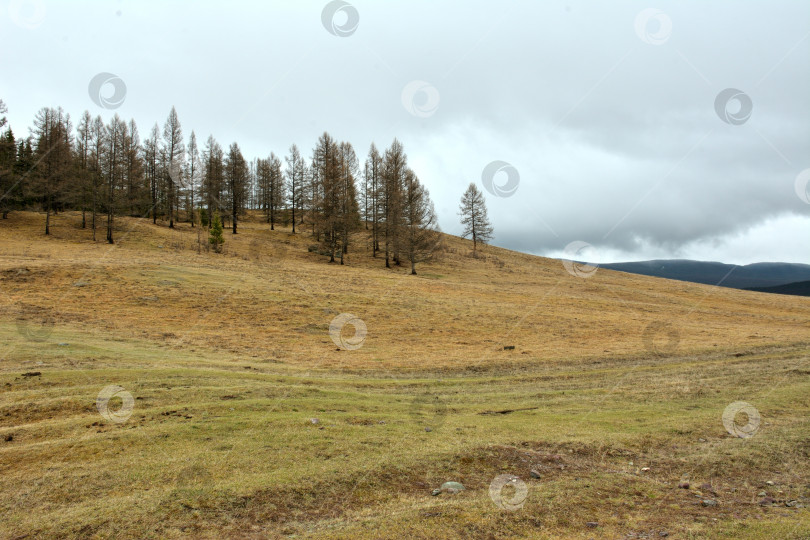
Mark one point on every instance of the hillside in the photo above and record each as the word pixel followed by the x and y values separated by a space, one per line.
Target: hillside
pixel 801 288
pixel 246 420
pixel 714 273
pixel 267 297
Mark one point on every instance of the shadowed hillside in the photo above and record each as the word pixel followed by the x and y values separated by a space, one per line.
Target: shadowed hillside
pixel 801 288
pixel 714 273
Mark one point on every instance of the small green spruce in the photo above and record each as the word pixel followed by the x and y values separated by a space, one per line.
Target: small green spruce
pixel 216 238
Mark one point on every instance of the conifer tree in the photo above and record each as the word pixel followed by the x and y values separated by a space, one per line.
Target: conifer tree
pixel 394 166
pixel 473 212
pixel 193 172
pixel 53 154
pixel 215 237
pixel 296 171
pixel 236 175
pixel 173 153
pixel 420 234
pixel 9 182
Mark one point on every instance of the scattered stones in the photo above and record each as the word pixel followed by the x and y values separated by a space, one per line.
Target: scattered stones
pixel 62 344
pixel 791 504
pixel 707 487
pixel 176 413
pixel 428 429
pixel 762 494
pixel 534 474
pixel 663 534
pixel 769 483
pixel 509 347
pixel 708 502
pixel 684 485
pixel 314 421
pixel 701 440
pixel 451 488
pixel 592 524
pixel 645 469
pixel 766 501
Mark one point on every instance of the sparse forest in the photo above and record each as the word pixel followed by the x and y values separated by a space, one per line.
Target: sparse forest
pixel 104 170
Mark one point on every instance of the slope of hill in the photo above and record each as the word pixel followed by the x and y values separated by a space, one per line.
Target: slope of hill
pixel 714 273
pixel 151 390
pixel 800 288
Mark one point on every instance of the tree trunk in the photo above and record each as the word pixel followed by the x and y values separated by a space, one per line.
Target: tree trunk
pixel 171 201
pixel 110 229
pixel 94 212
pixel 48 215
pixel 111 209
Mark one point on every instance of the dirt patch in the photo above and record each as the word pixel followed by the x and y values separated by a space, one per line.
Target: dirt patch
pixel 14 415
pixel 23 274
pixel 509 411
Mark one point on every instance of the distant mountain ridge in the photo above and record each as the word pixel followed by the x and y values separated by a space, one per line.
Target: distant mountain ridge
pixel 749 276
pixel 800 288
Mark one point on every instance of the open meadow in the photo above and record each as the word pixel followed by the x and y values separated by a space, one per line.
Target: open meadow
pixel 234 414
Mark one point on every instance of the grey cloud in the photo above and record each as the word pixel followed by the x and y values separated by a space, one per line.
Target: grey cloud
pixel 591 116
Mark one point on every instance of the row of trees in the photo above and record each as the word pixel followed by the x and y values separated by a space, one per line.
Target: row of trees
pixel 104 170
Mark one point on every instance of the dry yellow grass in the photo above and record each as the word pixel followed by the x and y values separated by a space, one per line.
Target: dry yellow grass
pixel 269 298
pixel 228 357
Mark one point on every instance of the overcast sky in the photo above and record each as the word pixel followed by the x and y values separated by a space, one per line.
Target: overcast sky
pixel 610 118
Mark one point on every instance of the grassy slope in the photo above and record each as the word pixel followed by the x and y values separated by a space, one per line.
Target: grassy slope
pixel 228 357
